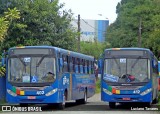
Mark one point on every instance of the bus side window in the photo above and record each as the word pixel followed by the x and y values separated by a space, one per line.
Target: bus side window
pixel 73 66
pixel 65 64
pixel 77 65
pixel 60 68
pixel 84 66
pixel 92 67
pixel 70 64
pixel 81 65
pixel 87 67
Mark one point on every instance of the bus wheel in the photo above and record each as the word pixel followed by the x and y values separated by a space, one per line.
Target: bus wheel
pixel 62 105
pixel 112 105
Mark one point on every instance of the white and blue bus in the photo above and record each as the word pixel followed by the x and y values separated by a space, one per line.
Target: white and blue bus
pixel 129 75
pixel 46 74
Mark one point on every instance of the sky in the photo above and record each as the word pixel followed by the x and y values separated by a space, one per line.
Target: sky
pixel 93 9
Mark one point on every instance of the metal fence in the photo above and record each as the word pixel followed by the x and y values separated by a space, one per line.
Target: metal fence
pixel 2 88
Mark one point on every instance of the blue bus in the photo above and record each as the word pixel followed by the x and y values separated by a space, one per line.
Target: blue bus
pixel 129 75
pixel 48 75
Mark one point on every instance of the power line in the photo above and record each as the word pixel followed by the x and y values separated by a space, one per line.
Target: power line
pixel 77 23
pixel 92 26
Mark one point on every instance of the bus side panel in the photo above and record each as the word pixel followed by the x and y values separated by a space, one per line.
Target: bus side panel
pixel 91 86
pixel 82 82
pixel 76 87
pixel 73 85
pixel 79 86
pixel 64 84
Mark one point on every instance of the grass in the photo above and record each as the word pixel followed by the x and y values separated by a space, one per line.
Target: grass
pixel 98 86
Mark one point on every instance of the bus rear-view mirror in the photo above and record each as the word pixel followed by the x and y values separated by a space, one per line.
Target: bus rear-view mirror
pixel 154 64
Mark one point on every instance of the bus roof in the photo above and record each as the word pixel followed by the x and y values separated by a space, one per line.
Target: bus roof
pixel 57 49
pixel 129 48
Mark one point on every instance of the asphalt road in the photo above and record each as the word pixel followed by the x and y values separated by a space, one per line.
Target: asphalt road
pixel 93 106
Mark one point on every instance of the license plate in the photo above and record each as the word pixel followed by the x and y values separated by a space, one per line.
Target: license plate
pixel 126 99
pixel 31 97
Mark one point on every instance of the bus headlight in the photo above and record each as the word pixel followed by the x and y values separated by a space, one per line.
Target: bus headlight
pixel 51 92
pixel 11 93
pixel 146 91
pixel 107 92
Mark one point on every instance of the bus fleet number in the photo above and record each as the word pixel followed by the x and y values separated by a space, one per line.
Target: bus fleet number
pixel 40 92
pixel 136 91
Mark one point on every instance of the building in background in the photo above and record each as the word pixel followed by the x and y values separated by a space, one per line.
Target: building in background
pixel 92 30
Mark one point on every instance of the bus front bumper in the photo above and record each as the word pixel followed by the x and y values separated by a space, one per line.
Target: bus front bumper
pixel 126 98
pixel 33 99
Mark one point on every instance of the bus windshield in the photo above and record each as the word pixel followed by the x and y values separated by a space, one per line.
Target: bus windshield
pixel 126 70
pixel 33 69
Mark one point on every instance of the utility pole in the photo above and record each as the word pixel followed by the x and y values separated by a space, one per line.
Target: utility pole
pixel 139 33
pixel 79 35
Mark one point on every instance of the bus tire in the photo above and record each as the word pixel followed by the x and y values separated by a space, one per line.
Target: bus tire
pixel 112 105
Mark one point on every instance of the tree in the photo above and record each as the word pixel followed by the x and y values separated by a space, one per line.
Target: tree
pixel 3 28
pixel 10 15
pixel 93 48
pixel 41 23
pixel 125 31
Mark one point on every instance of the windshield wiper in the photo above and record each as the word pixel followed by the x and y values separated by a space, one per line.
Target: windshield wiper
pixel 135 61
pixel 117 65
pixel 41 60
pixel 20 60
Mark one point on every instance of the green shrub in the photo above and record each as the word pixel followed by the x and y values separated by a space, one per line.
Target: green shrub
pixel 98 86
pixel 2 71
